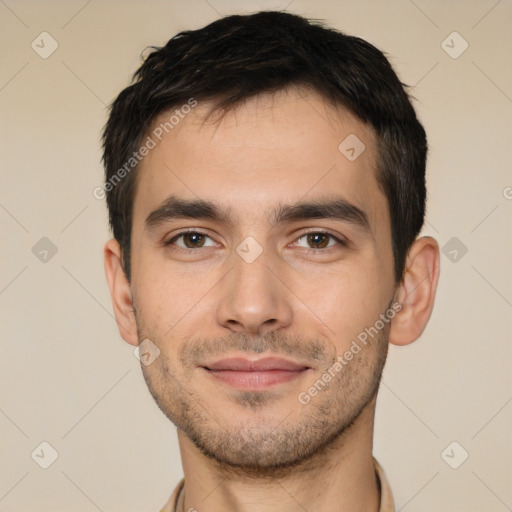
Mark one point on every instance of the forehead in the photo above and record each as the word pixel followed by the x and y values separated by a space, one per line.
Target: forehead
pixel 282 147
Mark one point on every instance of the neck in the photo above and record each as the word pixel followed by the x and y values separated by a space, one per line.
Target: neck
pixel 339 477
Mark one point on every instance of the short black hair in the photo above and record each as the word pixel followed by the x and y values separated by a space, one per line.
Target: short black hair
pixel 240 56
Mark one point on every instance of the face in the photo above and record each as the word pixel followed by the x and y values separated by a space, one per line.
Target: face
pixel 261 254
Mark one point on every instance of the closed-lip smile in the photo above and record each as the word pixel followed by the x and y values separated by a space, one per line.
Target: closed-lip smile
pixel 255 374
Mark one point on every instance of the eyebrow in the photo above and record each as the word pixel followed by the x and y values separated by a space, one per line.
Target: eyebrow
pixel 337 209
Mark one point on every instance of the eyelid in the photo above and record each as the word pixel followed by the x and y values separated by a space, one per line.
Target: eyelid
pixel 168 241
pixel 322 231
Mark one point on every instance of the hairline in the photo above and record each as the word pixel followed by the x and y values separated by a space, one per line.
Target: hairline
pixel 219 110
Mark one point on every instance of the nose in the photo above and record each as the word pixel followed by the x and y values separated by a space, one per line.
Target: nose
pixel 253 298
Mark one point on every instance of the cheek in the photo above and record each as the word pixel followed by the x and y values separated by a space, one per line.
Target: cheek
pixel 349 302
pixel 171 303
pixel 157 302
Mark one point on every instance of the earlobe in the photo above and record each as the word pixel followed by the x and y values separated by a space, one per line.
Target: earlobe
pixel 120 292
pixel 416 292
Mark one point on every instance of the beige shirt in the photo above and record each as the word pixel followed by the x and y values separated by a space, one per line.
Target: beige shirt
pixel 386 498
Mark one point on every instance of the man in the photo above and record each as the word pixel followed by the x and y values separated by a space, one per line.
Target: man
pixel 265 180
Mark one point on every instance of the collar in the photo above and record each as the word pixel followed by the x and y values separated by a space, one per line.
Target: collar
pixel 387 503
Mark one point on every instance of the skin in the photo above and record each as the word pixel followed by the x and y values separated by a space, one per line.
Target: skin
pixel 305 299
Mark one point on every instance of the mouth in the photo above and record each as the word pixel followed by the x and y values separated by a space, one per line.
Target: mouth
pixel 255 375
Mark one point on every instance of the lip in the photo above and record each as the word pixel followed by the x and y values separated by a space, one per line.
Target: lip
pixel 256 374
pixel 258 365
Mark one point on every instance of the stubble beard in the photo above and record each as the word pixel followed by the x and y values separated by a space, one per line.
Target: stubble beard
pixel 268 446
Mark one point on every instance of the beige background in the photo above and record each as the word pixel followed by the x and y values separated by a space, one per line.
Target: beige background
pixel 66 376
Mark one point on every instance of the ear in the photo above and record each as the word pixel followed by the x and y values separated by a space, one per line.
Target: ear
pixel 120 293
pixel 416 292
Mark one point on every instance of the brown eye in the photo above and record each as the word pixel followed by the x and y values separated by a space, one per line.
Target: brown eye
pixel 193 240
pixel 318 240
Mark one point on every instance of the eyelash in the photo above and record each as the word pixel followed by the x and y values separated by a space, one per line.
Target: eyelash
pixel 340 241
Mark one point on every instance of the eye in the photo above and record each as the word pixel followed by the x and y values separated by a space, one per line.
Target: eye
pixel 191 240
pixel 318 240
